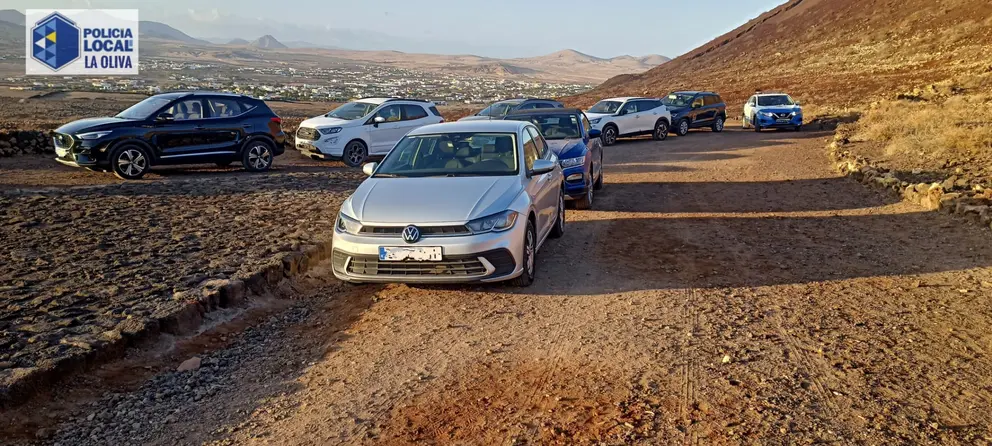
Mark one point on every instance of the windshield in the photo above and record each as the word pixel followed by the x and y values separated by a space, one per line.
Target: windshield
pixel 451 155
pixel 777 100
pixel 352 111
pixel 144 109
pixel 678 99
pixel 498 109
pixel 608 107
pixel 557 126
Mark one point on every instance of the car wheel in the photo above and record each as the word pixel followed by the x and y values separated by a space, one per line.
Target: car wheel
pixel 586 201
pixel 661 130
pixel 683 128
pixel 754 122
pixel 130 162
pixel 610 134
pixel 718 125
pixel 355 154
pixel 799 128
pixel 257 156
pixel 559 229
pixel 526 278
pixel 599 180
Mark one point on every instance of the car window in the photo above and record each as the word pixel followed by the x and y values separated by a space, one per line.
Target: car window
pixel 698 102
pixel 643 106
pixel 630 107
pixel 529 106
pixel 531 153
pixel 585 124
pixel 711 99
pixel 452 155
pixel 545 105
pixel 434 111
pixel 391 113
pixel 542 145
pixel 752 100
pixel 224 107
pixel 412 112
pixel 187 110
pixel 247 106
pixel 609 107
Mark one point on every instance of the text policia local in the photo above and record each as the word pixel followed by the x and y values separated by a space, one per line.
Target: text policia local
pixel 108 40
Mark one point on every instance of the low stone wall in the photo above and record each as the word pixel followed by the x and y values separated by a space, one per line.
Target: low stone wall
pixel 25 142
pixel 951 196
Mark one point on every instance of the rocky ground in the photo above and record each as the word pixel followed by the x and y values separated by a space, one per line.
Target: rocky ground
pixel 78 264
pixel 725 289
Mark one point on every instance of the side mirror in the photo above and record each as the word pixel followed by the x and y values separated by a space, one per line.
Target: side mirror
pixel 593 133
pixel 369 168
pixel 542 167
pixel 165 117
pixel 378 120
pixel 797 103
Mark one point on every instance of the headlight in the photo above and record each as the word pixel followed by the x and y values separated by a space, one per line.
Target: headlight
pixel 493 223
pixel 92 135
pixel 768 114
pixel 347 225
pixel 572 162
pixel 595 121
pixel 330 130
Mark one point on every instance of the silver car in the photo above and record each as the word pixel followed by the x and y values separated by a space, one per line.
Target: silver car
pixel 457 202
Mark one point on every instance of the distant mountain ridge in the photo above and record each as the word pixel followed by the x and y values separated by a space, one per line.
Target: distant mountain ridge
pixel 157 30
pixel 267 42
pixel 12 16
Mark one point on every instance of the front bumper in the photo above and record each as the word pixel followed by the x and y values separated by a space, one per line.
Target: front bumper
pixel 82 154
pixel 490 257
pixel 327 147
pixel 579 184
pixel 770 123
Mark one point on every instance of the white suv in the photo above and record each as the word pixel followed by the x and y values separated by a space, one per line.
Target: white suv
pixel 621 117
pixel 363 128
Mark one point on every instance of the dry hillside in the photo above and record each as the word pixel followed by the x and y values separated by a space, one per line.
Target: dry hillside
pixel 839 53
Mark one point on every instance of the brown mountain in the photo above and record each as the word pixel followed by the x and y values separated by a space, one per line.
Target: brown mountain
pixel 842 52
pixel 267 42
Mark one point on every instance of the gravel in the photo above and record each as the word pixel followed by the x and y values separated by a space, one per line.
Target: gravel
pixel 78 267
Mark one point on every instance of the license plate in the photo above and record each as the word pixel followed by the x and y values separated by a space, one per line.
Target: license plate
pixel 784 121
pixel 413 253
pixel 61 153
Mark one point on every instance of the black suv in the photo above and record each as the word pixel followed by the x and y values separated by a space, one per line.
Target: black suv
pixel 695 109
pixel 175 128
pixel 503 108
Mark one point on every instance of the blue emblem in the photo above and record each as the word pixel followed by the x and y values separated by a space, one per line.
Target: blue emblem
pixel 55 41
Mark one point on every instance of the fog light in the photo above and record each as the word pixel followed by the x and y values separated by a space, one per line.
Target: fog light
pixel 574 177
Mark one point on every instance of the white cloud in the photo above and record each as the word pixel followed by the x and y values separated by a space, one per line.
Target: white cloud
pixel 211 15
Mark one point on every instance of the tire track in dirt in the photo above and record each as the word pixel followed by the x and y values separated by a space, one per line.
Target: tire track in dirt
pixel 689 368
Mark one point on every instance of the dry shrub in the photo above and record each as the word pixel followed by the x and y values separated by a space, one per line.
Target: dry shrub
pixel 959 126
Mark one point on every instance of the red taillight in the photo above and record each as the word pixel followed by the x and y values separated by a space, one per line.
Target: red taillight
pixel 277 120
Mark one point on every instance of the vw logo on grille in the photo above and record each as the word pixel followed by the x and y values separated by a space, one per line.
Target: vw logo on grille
pixel 411 234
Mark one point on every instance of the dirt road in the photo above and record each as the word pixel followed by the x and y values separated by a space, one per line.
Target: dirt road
pixel 725 288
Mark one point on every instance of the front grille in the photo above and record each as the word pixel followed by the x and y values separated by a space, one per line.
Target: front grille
pixel 63 141
pixel 451 266
pixel 783 115
pixel 425 231
pixel 308 133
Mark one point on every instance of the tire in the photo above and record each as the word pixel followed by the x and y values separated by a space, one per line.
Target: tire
pixel 526 278
pixel 558 230
pixel 610 135
pixel 798 128
pixel 355 154
pixel 257 156
pixel 718 124
pixel 130 162
pixel 683 128
pixel 598 185
pixel 660 130
pixel 754 122
pixel 224 163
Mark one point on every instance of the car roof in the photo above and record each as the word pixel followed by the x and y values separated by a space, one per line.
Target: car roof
pixel 183 94
pixel 380 101
pixel 772 94
pixel 625 99
pixel 695 92
pixel 472 126
pixel 545 111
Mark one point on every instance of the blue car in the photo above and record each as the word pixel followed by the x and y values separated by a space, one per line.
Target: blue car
pixel 773 111
pixel 578 146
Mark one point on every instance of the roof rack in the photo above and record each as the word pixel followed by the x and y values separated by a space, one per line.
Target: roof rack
pixel 410 100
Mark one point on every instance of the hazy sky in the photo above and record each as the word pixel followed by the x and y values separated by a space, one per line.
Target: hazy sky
pixel 503 28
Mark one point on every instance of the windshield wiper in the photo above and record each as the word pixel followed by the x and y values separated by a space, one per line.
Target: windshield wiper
pixel 388 175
